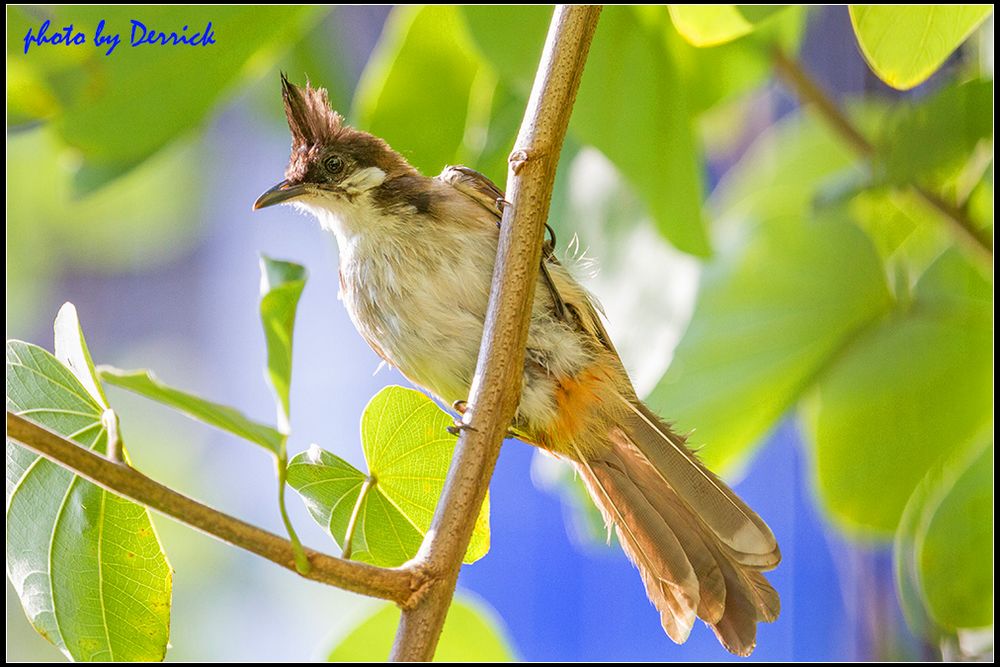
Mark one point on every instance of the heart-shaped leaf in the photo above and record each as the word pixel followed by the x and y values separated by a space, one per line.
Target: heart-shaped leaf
pixel 87 565
pixel 387 512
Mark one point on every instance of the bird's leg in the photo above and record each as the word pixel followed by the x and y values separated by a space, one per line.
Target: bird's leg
pixel 460 407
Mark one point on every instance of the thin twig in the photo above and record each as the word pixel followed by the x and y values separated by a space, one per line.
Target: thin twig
pixel 496 386
pixel 965 232
pixel 398 585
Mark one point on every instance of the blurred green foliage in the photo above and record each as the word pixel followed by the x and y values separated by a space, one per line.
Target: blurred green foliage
pixel 829 289
pixel 718 24
pixel 472 633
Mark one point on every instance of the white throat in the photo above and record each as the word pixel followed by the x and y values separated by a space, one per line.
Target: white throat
pixel 350 215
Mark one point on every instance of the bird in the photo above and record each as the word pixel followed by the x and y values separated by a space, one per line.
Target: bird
pixel 416 260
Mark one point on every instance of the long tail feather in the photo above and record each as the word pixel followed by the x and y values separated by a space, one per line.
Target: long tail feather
pixel 699 548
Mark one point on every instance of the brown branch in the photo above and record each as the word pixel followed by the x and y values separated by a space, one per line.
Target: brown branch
pixel 496 387
pixel 398 585
pixel 963 230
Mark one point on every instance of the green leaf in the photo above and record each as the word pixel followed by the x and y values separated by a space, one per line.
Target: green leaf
pixel 281 285
pixel 645 146
pixel 943 550
pixel 955 548
pixel 775 305
pixel 905 44
pixel 408 451
pixel 472 633
pixel 87 565
pixel 903 396
pixel 511 40
pixel 907 233
pixel 632 107
pixel 710 25
pixel 611 224
pixel 932 139
pixel 71 350
pixel 118 110
pixel 770 316
pixel 144 383
pixel 715 74
pixel 415 91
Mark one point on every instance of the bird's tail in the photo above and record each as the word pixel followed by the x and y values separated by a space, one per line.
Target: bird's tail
pixel 699 548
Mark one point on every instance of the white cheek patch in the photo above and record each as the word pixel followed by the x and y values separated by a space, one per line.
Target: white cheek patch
pixel 364 180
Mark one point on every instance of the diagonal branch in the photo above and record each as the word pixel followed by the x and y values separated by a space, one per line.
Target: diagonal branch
pixel 965 232
pixel 496 386
pixel 398 585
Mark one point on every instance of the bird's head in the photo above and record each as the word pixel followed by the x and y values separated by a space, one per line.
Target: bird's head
pixel 332 166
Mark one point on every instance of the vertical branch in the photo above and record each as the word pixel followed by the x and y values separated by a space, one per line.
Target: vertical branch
pixel 496 387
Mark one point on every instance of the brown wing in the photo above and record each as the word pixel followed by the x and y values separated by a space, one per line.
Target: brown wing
pixel 481 189
pixel 476 186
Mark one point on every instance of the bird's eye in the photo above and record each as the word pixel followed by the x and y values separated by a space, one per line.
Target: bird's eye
pixel 334 164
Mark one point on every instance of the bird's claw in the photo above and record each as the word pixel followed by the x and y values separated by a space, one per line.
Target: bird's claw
pixel 459 426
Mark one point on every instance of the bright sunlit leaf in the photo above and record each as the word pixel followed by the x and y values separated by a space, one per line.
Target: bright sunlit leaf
pixel 711 25
pixel 87 565
pixel 71 350
pixel 905 44
pixel 408 451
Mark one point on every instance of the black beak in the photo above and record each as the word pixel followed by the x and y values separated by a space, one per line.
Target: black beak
pixel 279 193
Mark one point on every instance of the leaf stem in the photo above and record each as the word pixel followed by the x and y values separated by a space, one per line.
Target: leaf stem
pixel 496 387
pixel 281 464
pixel 399 585
pixel 975 240
pixel 349 535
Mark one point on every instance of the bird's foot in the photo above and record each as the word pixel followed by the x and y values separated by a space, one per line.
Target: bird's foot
pixel 459 426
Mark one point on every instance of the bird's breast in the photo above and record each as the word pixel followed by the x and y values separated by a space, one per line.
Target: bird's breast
pixel 420 303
